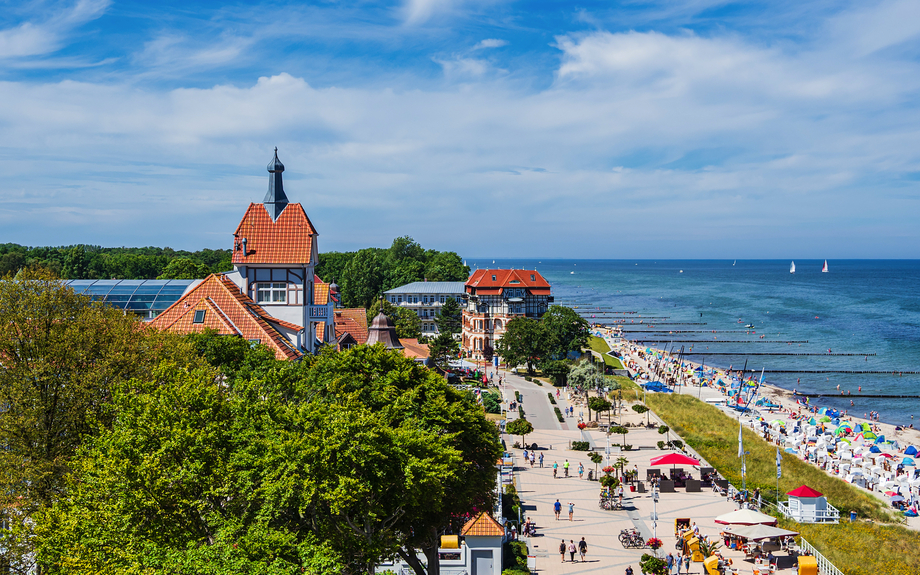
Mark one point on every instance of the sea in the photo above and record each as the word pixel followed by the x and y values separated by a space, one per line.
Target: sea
pixel 868 308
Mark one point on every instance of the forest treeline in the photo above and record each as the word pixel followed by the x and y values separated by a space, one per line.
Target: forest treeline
pixel 362 275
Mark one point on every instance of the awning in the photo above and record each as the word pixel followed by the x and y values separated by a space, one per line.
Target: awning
pixel 745 517
pixel 759 532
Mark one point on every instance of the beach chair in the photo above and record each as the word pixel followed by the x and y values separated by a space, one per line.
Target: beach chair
pixel 693 486
pixel 666 486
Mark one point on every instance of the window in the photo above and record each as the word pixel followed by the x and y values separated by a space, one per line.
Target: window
pixel 533 278
pixel 199 316
pixel 493 278
pixel 442 299
pixel 271 292
pixel 399 299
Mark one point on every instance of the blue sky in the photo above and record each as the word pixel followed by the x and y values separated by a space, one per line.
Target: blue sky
pixel 700 129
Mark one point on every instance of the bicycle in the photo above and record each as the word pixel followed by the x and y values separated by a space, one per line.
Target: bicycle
pixel 632 539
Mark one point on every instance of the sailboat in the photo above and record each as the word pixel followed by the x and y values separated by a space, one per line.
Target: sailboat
pixel 734 262
pixel 792 268
pixel 824 269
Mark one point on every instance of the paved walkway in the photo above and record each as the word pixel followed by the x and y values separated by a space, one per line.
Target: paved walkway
pixel 600 528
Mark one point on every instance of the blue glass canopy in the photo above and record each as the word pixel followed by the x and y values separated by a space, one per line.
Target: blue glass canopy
pixel 144 297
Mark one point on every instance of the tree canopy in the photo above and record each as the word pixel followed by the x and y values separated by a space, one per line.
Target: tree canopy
pixel 406 321
pixel 523 343
pixel 450 317
pixel 565 330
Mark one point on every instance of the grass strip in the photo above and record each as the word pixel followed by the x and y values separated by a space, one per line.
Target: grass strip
pixel 599 345
pixel 855 548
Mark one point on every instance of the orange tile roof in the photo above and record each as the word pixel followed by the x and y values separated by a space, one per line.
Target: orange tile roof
pixel 482 281
pixel 358 317
pixel 229 312
pixel 483 525
pixel 289 240
pixel 413 349
pixel 320 293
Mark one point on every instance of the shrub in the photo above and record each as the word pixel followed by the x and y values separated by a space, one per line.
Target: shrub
pixel 528 378
pixel 492 402
pixel 559 414
pixel 677 443
pixel 661 445
pixel 653 565
pixel 517 395
pixel 610 481
pixel 580 446
pixel 551 398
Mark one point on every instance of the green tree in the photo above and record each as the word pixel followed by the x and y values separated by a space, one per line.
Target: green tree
pixel 184 269
pixel 62 355
pixel 519 426
pixel 331 267
pixel 449 318
pixel 524 342
pixel 566 330
pixel 443 349
pixel 405 248
pixel 598 405
pixel 407 322
pixel 558 370
pixel 76 264
pixel 446 267
pixel 622 462
pixel 584 376
pixel 663 430
pixel 619 430
pixel 640 409
pixel 362 279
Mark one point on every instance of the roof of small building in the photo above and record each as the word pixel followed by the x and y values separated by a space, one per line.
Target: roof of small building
pixel 415 350
pixel 382 330
pixel 438 288
pixel 287 240
pixel 804 491
pixel 530 279
pixel 229 312
pixel 483 525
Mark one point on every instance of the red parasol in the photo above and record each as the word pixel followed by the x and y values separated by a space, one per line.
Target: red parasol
pixel 674 459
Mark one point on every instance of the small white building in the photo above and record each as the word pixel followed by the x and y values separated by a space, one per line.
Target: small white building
pixel 805 505
pixel 426 299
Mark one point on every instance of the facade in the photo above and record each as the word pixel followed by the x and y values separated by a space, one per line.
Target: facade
pixel 274 256
pixel 495 297
pixel 426 299
pixel 144 298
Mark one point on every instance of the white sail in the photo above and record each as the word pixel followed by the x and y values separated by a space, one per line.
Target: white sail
pixel 824 269
pixel 792 268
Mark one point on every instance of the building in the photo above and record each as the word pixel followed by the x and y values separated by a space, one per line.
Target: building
pixel 426 299
pixel 272 296
pixel 495 297
pixel 144 298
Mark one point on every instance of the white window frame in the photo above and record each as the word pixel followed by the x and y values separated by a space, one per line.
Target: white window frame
pixel 275 292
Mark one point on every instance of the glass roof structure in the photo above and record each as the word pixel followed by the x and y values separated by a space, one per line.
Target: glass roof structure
pixel 144 297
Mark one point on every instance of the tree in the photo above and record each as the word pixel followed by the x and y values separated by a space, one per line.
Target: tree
pixel 443 349
pixel 598 405
pixel 449 317
pixel 640 409
pixel 620 430
pixel 524 342
pixel 566 330
pixel 584 376
pixel 362 279
pixel 76 264
pixel 519 426
pixel 446 267
pixel 595 458
pixel 558 370
pixel 62 356
pixel 622 462
pixel 405 320
pixel 184 269
pixel 331 267
pixel 663 430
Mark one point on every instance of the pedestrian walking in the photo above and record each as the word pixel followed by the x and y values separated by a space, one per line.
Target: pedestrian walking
pixel 670 560
pixel 565 467
pixel 555 469
pixel 526 456
pixel 541 461
pixel 680 564
pixel 582 549
pixel 562 548
pixel 629 570
pixel 557 507
pixel 571 510
pixel 533 458
pixel 572 550
pixel 687 564
pixel 581 470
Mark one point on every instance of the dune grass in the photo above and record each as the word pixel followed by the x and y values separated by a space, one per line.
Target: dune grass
pixel 855 548
pixel 714 435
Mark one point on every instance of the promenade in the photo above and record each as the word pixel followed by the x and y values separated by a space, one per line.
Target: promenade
pixel 539 490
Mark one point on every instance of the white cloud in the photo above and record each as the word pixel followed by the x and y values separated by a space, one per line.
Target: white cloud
pixel 419 11
pixel 36 38
pixel 490 43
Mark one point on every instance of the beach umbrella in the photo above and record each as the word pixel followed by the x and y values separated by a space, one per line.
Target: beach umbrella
pixel 891 493
pixel 745 517
pixel 674 459
pixel 887 455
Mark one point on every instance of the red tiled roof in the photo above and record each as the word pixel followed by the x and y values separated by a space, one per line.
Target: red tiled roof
pixel 229 312
pixel 483 525
pixel 481 280
pixel 289 240
pixel 320 293
pixel 354 321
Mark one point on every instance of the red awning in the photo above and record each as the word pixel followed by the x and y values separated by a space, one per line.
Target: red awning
pixel 804 491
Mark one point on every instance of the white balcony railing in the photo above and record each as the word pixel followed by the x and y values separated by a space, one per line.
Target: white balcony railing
pixel 808 515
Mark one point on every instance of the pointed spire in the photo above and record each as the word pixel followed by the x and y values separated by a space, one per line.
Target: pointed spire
pixel 275 201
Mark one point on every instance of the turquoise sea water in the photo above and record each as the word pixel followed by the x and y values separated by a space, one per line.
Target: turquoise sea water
pixel 862 306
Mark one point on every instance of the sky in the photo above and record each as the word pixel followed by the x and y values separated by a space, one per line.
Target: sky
pixel 636 129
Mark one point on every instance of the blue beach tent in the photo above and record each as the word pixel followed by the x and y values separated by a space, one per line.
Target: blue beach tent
pixel 874 449
pixel 881 439
pixel 911 451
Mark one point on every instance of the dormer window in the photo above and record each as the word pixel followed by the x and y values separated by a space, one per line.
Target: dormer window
pixel 271 292
pixel 493 278
pixel 199 316
pixel 533 278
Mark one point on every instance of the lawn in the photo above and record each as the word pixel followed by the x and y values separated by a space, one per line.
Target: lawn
pixel 855 548
pixel 600 346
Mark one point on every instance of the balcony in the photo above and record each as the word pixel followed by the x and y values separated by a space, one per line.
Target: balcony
pixel 808 514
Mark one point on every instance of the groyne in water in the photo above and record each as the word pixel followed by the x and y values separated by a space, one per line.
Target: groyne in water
pixel 774 353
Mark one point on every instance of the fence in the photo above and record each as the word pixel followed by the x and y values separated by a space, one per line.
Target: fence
pixel 825 567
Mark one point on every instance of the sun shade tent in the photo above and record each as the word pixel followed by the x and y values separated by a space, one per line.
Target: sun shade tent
pixel 759 532
pixel 745 517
